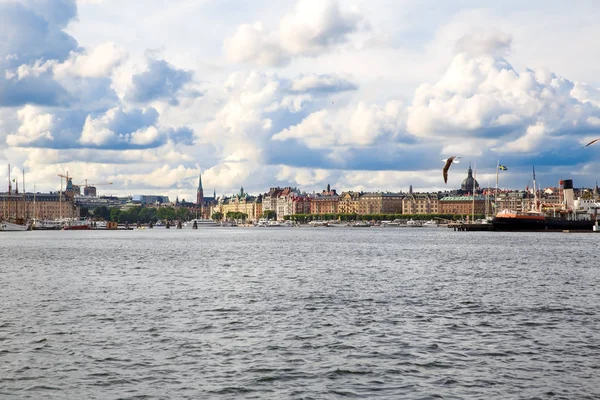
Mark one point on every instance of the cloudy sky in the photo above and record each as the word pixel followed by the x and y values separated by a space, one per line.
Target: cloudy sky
pixel 360 94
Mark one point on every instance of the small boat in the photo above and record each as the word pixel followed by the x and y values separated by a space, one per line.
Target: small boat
pixel 430 224
pixel 414 224
pixel 318 223
pixel 201 223
pixel 338 224
pixel 397 223
pixel 360 224
pixel 6 226
pixel 47 224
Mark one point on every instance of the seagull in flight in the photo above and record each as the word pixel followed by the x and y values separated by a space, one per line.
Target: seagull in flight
pixel 448 161
pixel 592 142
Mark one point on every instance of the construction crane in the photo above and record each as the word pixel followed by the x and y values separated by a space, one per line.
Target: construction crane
pixel 86 184
pixel 89 189
pixel 67 178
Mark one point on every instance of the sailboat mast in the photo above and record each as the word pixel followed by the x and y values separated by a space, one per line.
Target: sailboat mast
pixel 534 192
pixel 474 188
pixel 487 200
pixel 9 192
pixel 60 199
pixel 24 197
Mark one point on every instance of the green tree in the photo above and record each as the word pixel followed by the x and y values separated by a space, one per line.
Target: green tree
pixel 102 213
pixel 269 214
pixel 182 213
pixel 147 215
pixel 217 216
pixel 166 213
pixel 114 214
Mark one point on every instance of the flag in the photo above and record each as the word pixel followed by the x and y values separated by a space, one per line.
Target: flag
pixel 14 180
pixel 502 167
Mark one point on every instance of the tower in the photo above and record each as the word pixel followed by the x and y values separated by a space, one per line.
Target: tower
pixel 200 196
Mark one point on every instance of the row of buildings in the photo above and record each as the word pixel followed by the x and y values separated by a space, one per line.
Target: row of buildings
pixel 287 201
pixel 290 201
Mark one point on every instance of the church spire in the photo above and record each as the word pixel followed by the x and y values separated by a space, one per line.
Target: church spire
pixel 200 192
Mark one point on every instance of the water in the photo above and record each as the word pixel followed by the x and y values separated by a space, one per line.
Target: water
pixel 303 313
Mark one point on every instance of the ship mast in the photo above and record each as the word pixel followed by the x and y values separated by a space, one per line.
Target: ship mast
pixel 474 187
pixel 535 199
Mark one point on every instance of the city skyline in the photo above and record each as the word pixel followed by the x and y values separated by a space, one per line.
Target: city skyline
pixel 361 95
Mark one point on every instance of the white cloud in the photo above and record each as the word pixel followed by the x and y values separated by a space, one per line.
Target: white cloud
pixel 313 28
pixel 98 62
pixel 35 125
pixel 483 95
pixel 358 125
pixel 322 83
pixel 252 43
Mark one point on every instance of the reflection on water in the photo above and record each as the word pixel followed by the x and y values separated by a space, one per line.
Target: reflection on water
pixel 298 313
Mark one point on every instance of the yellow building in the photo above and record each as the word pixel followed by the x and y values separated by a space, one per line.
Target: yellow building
pixel 249 205
pixel 39 206
pixel 380 203
pixel 348 203
pixel 421 203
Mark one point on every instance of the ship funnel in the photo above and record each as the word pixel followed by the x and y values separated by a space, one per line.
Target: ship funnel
pixel 569 196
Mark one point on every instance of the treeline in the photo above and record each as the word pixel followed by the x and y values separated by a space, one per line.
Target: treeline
pixel 140 214
pixel 304 218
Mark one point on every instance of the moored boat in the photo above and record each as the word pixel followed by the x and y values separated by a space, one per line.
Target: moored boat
pixel 571 215
pixel 201 223
pixel 6 226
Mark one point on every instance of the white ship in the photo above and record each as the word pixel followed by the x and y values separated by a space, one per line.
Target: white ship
pixel 6 226
pixel 201 223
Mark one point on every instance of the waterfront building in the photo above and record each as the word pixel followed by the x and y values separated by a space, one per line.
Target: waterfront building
pixel 49 206
pixel 512 200
pixel 325 202
pixel 92 203
pixel 301 205
pixel 144 200
pixel 463 205
pixel 241 203
pixel 269 202
pixel 285 202
pixel 348 203
pixel 380 203
pixel 421 203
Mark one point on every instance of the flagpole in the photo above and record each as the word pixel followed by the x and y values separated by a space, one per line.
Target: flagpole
pixel 496 193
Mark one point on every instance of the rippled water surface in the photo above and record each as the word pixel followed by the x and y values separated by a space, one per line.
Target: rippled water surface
pixel 303 313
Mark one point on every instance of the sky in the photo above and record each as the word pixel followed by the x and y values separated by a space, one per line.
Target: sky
pixel 361 95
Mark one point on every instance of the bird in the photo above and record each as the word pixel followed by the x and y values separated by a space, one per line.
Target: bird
pixel 592 142
pixel 448 162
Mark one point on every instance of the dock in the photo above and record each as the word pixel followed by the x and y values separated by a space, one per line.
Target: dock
pixel 460 227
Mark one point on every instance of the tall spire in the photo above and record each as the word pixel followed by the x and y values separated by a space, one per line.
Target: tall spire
pixel 200 192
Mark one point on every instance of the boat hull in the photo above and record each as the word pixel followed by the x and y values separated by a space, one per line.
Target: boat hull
pixel 76 228
pixel 10 227
pixel 546 224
